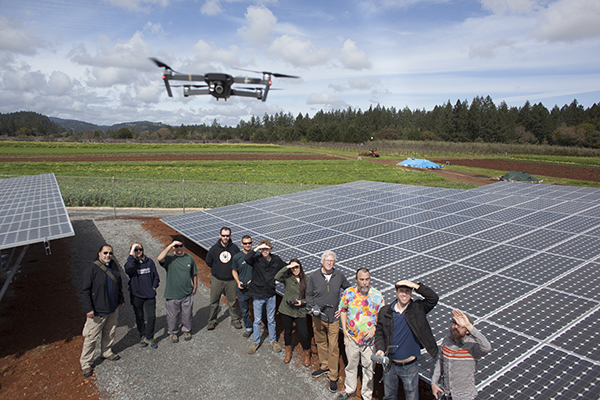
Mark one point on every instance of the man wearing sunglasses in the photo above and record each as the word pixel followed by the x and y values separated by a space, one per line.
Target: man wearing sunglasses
pixel 403 328
pixel 242 274
pixel 182 282
pixel 101 294
pixel 455 367
pixel 220 259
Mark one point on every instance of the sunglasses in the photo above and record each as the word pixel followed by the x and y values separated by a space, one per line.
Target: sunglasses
pixel 107 252
pixel 247 243
pixel 177 246
pixel 225 235
pixel 138 249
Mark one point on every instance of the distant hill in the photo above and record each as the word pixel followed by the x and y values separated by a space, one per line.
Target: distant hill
pixel 81 126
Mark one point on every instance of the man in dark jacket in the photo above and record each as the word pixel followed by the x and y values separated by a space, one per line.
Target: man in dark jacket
pixel 220 259
pixel 143 281
pixel 323 293
pixel 403 324
pixel 262 289
pixel 101 294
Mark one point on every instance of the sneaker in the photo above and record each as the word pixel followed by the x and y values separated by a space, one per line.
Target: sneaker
pixel 174 339
pixel 276 347
pixel 143 342
pixel 319 372
pixel 211 326
pixel 253 348
pixel 237 324
pixel 247 333
pixel 332 386
pixel 153 343
pixel 345 396
pixel 113 357
pixel 187 336
pixel 87 372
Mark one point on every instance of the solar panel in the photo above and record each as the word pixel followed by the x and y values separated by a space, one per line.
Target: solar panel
pixel 523 259
pixel 32 211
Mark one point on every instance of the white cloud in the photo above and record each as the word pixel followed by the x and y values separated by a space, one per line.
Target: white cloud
pixel 131 54
pixel 155 29
pixel 208 52
pixel 567 20
pixel 337 87
pixel 15 38
pixel 59 83
pixel 363 83
pixel 261 22
pixel 510 6
pixel 138 5
pixel 299 52
pixel 211 8
pixel 489 50
pixel 324 99
pixel 353 58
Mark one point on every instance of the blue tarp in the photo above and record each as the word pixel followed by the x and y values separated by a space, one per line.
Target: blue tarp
pixel 419 163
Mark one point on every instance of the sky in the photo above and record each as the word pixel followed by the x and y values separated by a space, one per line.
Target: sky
pixel 89 59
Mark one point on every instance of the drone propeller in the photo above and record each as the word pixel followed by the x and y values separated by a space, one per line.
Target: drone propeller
pixel 275 74
pixel 161 64
pixel 194 86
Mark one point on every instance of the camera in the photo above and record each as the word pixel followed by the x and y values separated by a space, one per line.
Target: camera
pixel 292 303
pixel 383 360
pixel 245 286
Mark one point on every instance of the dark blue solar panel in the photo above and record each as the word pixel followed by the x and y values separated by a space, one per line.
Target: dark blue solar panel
pixel 521 258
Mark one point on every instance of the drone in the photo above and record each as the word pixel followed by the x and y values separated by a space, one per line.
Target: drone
pixel 219 85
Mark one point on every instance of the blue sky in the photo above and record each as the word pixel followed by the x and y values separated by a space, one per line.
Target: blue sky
pixel 88 60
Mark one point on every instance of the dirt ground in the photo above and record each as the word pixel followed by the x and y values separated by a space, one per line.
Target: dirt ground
pixel 41 320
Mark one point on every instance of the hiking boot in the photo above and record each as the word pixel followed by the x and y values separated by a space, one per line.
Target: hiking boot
pixel 187 336
pixel 113 357
pixel 306 361
pixel 319 372
pixel 87 372
pixel 152 343
pixel 253 348
pixel 174 338
pixel 288 354
pixel 332 386
pixel 345 396
pixel 237 324
pixel 211 325
pixel 143 342
pixel 247 334
pixel 276 347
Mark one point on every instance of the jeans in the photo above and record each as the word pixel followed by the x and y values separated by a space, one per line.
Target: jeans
pixel 144 310
pixel 257 303
pixel 410 381
pixel 244 301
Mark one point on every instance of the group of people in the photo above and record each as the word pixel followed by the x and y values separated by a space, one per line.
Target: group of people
pixel 394 333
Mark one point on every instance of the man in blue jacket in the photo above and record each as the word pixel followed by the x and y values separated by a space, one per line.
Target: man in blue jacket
pixel 143 281
pixel 403 328
pixel 101 294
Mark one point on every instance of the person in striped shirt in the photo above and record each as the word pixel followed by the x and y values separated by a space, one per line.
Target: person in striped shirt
pixel 457 359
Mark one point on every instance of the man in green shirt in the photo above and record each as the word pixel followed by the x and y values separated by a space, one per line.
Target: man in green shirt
pixel 179 290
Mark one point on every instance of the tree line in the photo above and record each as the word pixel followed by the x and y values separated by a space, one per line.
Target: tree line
pixel 478 121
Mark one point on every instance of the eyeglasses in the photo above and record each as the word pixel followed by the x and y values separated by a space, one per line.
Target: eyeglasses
pixel 107 252
pixel 177 246
pixel 247 243
pixel 139 249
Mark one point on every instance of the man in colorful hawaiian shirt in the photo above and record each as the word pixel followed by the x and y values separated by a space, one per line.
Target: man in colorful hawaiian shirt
pixel 359 307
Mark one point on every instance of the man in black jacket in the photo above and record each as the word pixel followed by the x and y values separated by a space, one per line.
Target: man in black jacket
pixel 220 259
pixel 404 326
pixel 101 294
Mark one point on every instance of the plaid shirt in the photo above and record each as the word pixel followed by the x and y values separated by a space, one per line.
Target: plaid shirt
pixel 362 312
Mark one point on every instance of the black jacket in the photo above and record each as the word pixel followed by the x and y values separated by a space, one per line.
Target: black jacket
pixel 216 257
pixel 94 293
pixel 262 284
pixel 416 318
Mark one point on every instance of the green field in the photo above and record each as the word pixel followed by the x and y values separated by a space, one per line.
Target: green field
pixel 217 183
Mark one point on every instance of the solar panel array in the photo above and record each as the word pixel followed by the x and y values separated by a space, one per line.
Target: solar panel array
pixel 523 259
pixel 32 211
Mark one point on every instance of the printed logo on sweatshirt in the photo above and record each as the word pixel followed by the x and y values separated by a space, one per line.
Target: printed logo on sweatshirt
pixel 143 271
pixel 225 257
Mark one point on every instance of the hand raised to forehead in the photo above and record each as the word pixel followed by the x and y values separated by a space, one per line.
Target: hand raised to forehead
pixel 460 318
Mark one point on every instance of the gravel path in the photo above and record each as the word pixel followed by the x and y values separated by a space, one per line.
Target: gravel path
pixel 213 365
